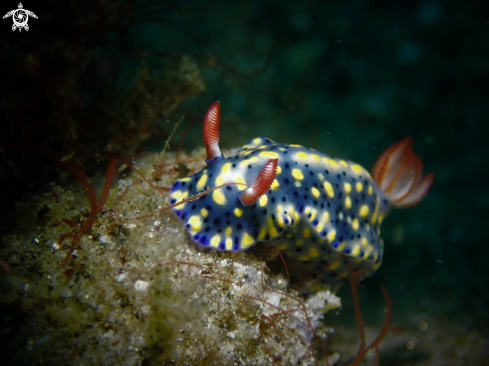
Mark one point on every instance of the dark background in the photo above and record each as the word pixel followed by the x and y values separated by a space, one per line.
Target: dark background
pixel 346 78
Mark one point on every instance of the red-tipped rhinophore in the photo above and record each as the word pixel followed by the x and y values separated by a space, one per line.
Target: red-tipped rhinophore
pixel 211 130
pixel 398 172
pixel 262 183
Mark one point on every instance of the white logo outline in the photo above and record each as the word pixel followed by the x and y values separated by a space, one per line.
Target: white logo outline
pixel 20 17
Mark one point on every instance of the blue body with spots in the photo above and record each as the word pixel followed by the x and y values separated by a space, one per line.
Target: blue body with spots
pixel 317 209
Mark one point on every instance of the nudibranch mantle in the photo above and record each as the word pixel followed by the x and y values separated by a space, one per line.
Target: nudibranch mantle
pixel 321 207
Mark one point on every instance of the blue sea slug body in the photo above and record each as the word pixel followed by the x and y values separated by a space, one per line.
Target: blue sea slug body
pixel 314 208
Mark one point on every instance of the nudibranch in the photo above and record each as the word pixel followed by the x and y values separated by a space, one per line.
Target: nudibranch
pixel 314 208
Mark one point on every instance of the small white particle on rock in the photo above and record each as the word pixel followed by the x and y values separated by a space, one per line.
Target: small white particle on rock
pixel 105 239
pixel 231 335
pixel 55 246
pixel 141 285
pixel 121 277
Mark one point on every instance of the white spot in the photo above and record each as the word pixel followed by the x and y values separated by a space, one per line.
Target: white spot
pixel 141 285
pixel 55 246
pixel 274 299
pixel 105 239
pixel 231 335
pixel 121 277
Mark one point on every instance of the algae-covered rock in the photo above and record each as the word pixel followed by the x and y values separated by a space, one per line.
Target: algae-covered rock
pixel 137 291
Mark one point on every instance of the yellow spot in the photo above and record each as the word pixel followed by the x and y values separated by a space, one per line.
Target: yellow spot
pixel 363 211
pixel 256 141
pixel 306 233
pixel 296 218
pixel 329 189
pixel 263 200
pixel 356 168
pixel 313 215
pixel 381 217
pixel 370 189
pixel 376 211
pixel 219 197
pixel 195 223
pixel 299 242
pixel 334 266
pixel 279 169
pixel 302 155
pixel 297 174
pixel 298 184
pixel 315 157
pixel 364 241
pixel 215 240
pixel 185 180
pixel 246 241
pixel 356 250
pixel 367 252
pixel 282 246
pixel 263 232
pixel 319 227
pixel 374 216
pixel 204 212
pixel 282 149
pixel 238 212
pixel 244 162
pixel 303 258
pixel 347 202
pixel 359 187
pixel 269 154
pixel 347 187
pixel 275 184
pixel 271 228
pixel 342 162
pixel 321 176
pixel 182 197
pixel 355 224
pixel 341 247
pixel 325 217
pixel 315 192
pixel 219 180
pixel 331 236
pixel 295 145
pixel 229 230
pixel 176 194
pixel 313 252
pixel 201 183
pixel 229 243
pixel 225 168
pixel 331 162
pixel 307 210
pixel 253 159
pixel 239 179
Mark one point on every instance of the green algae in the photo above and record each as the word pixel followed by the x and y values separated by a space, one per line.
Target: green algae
pixel 128 295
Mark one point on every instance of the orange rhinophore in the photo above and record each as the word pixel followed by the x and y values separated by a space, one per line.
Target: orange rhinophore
pixel 398 172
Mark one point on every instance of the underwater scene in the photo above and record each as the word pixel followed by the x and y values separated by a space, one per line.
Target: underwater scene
pixel 244 183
